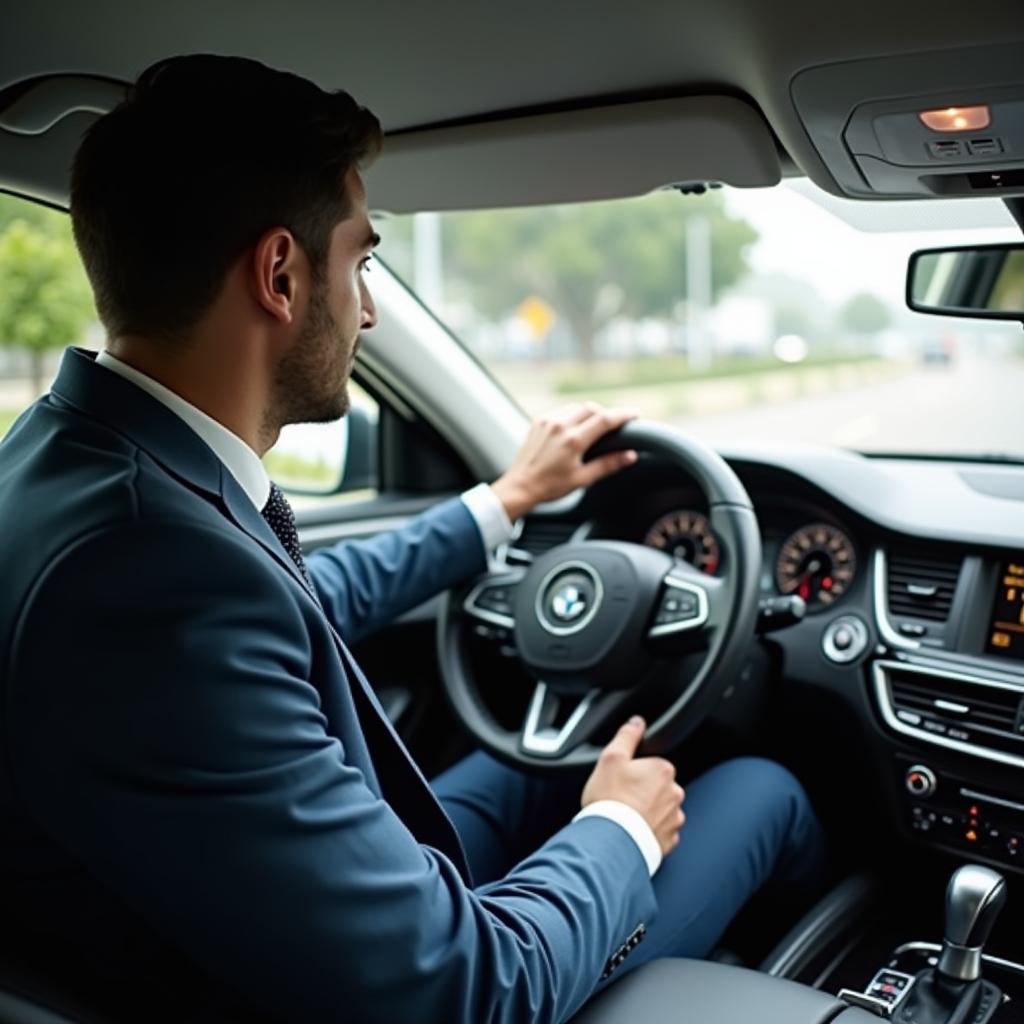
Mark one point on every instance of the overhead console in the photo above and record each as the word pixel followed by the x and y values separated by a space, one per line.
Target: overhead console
pixel 918 125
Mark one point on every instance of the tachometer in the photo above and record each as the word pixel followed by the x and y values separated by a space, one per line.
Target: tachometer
pixel 687 536
pixel 817 563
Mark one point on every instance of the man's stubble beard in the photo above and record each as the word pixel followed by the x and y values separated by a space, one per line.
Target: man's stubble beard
pixel 305 372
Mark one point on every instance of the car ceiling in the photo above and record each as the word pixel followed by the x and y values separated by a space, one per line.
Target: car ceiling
pixel 424 65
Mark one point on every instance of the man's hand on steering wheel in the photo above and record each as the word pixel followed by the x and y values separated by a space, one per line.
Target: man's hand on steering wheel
pixel 550 462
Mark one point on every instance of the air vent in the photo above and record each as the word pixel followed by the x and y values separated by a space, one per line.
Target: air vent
pixel 538 536
pixel 974 714
pixel 921 585
pixel 954 701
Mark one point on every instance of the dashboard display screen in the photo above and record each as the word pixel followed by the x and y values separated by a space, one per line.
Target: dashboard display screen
pixel 1006 633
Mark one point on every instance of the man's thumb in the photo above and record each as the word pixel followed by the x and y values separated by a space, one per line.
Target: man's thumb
pixel 627 739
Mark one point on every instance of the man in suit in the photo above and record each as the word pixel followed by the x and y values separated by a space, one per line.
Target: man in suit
pixel 206 814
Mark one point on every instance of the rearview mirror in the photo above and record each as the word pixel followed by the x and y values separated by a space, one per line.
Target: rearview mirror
pixel 982 281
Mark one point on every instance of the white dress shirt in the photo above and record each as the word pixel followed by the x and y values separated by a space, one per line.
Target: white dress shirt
pixel 484 505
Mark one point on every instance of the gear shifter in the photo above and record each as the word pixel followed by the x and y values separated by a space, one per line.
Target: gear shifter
pixel 954 992
pixel 974 897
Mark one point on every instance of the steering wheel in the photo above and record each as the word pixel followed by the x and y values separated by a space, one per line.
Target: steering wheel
pixel 604 627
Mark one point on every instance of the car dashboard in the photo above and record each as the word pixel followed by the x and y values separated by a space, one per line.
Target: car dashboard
pixel 912 571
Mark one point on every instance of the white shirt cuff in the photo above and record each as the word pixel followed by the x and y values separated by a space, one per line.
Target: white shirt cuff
pixel 491 518
pixel 634 824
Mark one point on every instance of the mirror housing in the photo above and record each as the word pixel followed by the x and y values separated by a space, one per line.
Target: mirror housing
pixel 359 470
pixel 985 282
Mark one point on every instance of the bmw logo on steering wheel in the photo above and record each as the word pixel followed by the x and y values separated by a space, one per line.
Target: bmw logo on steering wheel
pixel 568 598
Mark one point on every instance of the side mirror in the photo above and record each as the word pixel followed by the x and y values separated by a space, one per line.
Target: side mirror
pixel 323 459
pixel 984 281
pixel 359 454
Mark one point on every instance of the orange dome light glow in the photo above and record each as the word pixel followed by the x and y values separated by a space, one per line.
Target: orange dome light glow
pixel 957 119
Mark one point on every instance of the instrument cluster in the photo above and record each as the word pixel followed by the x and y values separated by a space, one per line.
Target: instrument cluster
pixel 815 560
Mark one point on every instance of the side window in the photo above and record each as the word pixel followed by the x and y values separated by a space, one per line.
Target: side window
pixel 45 302
pixel 318 461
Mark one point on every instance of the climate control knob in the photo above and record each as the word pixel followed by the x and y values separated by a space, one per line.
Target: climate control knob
pixel 920 781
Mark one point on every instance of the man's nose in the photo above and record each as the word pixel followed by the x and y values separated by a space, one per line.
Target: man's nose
pixel 369 310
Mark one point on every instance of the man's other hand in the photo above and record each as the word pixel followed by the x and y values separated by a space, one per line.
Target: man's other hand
pixel 647 784
pixel 550 463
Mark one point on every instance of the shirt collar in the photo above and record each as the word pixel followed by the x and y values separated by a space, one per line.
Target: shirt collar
pixel 241 461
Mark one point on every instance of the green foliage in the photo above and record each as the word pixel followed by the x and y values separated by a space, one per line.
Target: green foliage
pixel 590 261
pixel 864 313
pixel 45 299
pixel 49 221
pixel 293 470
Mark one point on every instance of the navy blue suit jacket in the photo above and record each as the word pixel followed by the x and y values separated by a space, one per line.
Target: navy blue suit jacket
pixel 199 794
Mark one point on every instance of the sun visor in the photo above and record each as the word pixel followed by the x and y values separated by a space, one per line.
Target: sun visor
pixel 923 125
pixel 570 156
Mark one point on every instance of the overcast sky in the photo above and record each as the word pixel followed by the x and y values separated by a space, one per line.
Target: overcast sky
pixel 799 236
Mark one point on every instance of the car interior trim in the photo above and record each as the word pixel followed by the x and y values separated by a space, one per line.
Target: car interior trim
pixel 835 909
pixel 544 740
pixel 315 536
pixel 52 98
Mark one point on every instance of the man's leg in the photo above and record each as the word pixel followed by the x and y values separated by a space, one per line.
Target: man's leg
pixel 748 824
pixel 502 814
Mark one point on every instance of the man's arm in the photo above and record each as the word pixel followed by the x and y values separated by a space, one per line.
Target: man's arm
pixel 165 731
pixel 365 584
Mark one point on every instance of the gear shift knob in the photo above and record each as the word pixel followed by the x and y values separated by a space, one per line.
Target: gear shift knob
pixel 974 897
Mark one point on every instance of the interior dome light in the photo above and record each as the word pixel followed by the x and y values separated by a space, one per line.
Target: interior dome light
pixel 956 119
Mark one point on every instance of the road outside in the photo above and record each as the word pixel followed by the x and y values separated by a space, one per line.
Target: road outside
pixel 975 405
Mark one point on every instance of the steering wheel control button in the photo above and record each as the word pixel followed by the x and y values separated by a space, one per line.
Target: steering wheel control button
pixel 677 609
pixel 568 598
pixel 845 639
pixel 491 601
pixel 920 781
pixel 683 605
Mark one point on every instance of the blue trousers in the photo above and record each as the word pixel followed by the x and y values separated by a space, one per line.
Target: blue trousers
pixel 748 823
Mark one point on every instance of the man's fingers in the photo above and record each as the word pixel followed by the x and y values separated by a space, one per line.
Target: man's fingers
pixel 572 415
pixel 624 743
pixel 595 426
pixel 597 468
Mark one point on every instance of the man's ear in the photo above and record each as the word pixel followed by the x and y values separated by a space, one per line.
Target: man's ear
pixel 279 267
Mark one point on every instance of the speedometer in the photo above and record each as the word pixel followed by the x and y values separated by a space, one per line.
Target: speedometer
pixel 687 536
pixel 817 563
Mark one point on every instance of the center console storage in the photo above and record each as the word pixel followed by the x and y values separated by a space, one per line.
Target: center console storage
pixel 713 993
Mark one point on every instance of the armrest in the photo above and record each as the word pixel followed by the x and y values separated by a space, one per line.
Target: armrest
pixel 713 993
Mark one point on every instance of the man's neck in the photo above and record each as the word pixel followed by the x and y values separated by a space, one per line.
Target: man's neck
pixel 205 378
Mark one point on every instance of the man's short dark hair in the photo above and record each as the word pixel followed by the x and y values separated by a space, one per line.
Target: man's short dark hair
pixel 204 155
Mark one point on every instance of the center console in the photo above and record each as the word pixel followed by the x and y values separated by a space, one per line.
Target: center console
pixel 713 993
pixel 954 982
pixel 946 684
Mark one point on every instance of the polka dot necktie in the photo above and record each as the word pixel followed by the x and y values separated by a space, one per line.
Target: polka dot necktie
pixel 278 514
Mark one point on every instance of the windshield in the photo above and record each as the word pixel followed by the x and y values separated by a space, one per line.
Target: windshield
pixel 742 316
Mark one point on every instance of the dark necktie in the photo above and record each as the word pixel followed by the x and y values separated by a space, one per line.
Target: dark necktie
pixel 278 514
